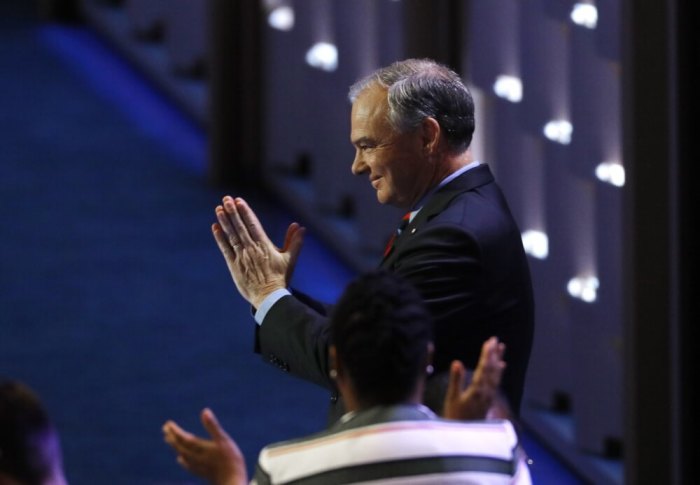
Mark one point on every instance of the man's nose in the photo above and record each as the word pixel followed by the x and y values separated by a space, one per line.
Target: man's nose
pixel 358 165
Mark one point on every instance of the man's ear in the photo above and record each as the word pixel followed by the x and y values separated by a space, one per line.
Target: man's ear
pixel 335 366
pixel 429 354
pixel 332 357
pixel 431 132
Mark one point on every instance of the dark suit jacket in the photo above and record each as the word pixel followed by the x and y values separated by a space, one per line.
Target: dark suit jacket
pixel 463 252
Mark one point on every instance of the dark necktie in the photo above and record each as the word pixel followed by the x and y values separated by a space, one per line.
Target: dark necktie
pixel 404 222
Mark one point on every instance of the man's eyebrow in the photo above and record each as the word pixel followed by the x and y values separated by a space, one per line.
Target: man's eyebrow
pixel 362 139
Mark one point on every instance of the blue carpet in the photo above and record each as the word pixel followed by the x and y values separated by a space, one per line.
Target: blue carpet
pixel 115 305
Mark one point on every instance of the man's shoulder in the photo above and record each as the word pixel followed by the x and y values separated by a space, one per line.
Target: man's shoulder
pixel 476 190
pixel 470 179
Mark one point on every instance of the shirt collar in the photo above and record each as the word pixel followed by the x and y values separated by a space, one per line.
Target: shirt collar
pixel 444 182
pixel 420 407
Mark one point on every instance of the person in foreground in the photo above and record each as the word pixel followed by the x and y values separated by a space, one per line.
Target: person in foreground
pixel 30 453
pixel 411 126
pixel 380 357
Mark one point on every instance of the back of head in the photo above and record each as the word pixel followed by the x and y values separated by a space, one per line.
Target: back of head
pixel 27 439
pixel 421 88
pixel 381 331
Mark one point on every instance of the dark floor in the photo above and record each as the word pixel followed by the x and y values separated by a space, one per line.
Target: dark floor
pixel 114 302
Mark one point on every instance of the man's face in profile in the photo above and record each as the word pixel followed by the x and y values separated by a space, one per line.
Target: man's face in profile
pixel 394 162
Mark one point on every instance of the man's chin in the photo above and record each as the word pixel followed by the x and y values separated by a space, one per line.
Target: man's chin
pixel 382 199
pixel 385 199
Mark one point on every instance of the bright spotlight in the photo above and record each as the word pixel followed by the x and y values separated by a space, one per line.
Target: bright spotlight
pixel 611 172
pixel 559 131
pixel 584 288
pixel 323 55
pixel 508 87
pixel 536 244
pixel 281 18
pixel 585 15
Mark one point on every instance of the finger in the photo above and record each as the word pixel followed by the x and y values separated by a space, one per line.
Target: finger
pixel 292 230
pixel 183 463
pixel 252 224
pixel 239 226
pixel 495 357
pixel 211 424
pixel 185 442
pixel 491 353
pixel 484 358
pixel 455 381
pixel 294 238
pixel 168 432
pixel 489 372
pixel 167 425
pixel 169 438
pixel 490 366
pixel 173 428
pixel 222 241
pixel 489 348
pixel 293 243
pixel 501 351
pixel 224 219
pixel 187 463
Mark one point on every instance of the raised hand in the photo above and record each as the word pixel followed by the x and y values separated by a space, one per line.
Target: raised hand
pixel 474 401
pixel 218 460
pixel 257 266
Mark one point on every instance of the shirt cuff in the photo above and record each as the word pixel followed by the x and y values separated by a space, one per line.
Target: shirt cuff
pixel 268 302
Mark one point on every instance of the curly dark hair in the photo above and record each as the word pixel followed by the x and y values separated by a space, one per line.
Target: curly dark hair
pixel 381 330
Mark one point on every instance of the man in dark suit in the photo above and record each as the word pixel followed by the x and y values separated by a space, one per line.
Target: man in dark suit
pixel 411 125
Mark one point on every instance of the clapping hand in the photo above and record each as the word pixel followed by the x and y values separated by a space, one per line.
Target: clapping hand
pixel 218 460
pixel 474 401
pixel 256 265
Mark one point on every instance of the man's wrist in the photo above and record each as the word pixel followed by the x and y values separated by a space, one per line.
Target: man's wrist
pixel 267 303
pixel 260 297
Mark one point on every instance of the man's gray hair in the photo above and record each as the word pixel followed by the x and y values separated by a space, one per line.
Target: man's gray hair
pixel 422 88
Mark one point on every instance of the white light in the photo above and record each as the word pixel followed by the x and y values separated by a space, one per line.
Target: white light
pixel 559 131
pixel 536 244
pixel 584 288
pixel 585 15
pixel 612 173
pixel 588 294
pixel 323 56
pixel 281 18
pixel 509 87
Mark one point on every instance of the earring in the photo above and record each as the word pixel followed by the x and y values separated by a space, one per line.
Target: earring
pixel 429 369
pixel 333 373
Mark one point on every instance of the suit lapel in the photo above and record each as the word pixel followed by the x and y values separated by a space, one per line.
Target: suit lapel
pixel 469 180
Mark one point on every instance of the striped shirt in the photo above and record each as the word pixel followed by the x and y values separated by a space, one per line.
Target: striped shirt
pixel 398 445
